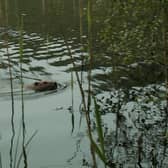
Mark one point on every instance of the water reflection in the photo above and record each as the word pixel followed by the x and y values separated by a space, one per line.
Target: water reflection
pixel 40 56
pixel 42 16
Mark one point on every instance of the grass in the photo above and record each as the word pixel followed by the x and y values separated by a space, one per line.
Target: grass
pixel 0 161
pixel 12 105
pixel 22 95
pixel 94 147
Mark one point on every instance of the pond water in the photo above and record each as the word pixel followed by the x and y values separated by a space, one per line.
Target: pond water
pixel 45 57
pixel 47 113
pixel 130 116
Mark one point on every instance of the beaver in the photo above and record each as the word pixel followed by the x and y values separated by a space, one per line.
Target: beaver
pixel 43 86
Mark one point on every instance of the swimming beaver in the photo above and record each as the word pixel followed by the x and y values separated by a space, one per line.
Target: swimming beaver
pixel 43 86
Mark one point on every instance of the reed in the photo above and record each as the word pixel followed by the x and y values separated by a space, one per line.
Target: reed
pixel 89 17
pixel 26 145
pixel 101 152
pixel 0 161
pixel 164 37
pixel 85 109
pixel 13 109
pixel 22 93
pixel 72 103
pixel 90 50
pixel 17 147
pixel 165 54
pixel 81 36
pixel 94 148
pixel 11 88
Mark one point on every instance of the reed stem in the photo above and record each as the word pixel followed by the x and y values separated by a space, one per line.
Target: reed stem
pixel 11 88
pixel 22 95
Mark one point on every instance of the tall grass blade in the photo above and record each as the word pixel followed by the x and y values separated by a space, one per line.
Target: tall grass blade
pixel 72 121
pixel 72 98
pixel 81 37
pixel 99 128
pixel 98 152
pixel 165 54
pixel 11 88
pixel 90 52
pixel 81 110
pixel 22 94
pixel 87 115
pixel 99 124
pixel 0 161
pixel 12 100
pixel 17 145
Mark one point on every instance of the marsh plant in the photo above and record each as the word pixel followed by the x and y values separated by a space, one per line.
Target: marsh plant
pixel 134 45
pixel 17 155
pixel 138 100
pixel 95 149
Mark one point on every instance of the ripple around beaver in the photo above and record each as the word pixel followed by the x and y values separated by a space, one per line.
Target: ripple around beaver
pixel 30 94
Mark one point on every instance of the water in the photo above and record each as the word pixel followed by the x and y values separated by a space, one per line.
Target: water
pixel 53 143
pixel 45 57
pixel 129 115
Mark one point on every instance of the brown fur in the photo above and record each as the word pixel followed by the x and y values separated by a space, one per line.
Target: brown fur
pixel 43 86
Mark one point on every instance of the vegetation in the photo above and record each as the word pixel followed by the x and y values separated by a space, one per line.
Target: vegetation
pixel 129 37
pixel 131 31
